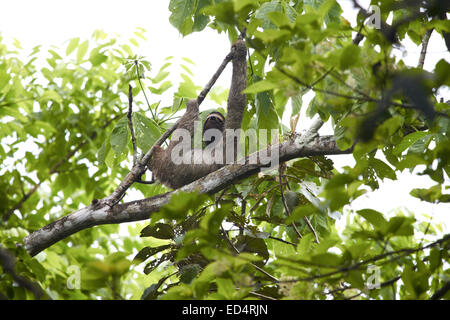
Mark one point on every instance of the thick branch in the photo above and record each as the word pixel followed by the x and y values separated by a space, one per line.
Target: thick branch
pixel 99 213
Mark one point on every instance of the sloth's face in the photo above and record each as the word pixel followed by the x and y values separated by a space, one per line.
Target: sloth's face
pixel 215 120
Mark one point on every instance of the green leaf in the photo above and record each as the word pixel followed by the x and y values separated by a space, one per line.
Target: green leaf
pixel 223 12
pixel 13 112
pixel 296 103
pixel 264 13
pixel 400 226
pixel 278 18
pixel 273 36
pixel 225 287
pixel 442 72
pixel 146 131
pixel 72 45
pixel 160 76
pixel 103 152
pixel 179 206
pixel 51 95
pixel 82 49
pixel 382 169
pixel 97 58
pixel 302 211
pixel 374 217
pixel 260 86
pixel 326 259
pixel 189 273
pixel 187 88
pixel 159 230
pixel 433 194
pixel 147 252
pixel 119 136
pixel 253 245
pixel 415 281
pixel 162 88
pixel 181 17
pixel 350 56
pixel 407 141
pixel 435 259
pixel 212 220
pixel 54 54
pixel 355 279
pixel 292 200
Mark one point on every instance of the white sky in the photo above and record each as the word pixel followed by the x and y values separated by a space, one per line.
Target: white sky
pixel 53 22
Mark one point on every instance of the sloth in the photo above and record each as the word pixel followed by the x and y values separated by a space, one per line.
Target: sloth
pixel 215 120
pixel 197 163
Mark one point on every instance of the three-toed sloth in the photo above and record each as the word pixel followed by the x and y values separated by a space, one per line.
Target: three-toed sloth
pixel 181 162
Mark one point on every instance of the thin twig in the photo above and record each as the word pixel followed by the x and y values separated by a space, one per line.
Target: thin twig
pixel 162 280
pixel 337 77
pixel 259 295
pixel 243 206
pixel 333 93
pixel 142 88
pixel 284 241
pixel 308 223
pixel 214 78
pixel 130 122
pixel 423 52
pixel 283 199
pixel 441 292
pixel 254 265
pixel 145 182
pixel 262 197
pixel 359 36
pixel 222 193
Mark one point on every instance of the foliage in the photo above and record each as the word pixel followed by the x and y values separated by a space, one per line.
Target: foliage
pixel 65 141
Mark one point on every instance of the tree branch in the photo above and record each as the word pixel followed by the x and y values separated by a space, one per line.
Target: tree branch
pixel 142 88
pixel 100 212
pixel 8 263
pixel 423 52
pixel 286 207
pixel 441 292
pixel 214 78
pixel 130 122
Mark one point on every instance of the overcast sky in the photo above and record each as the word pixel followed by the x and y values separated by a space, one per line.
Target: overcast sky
pixel 53 22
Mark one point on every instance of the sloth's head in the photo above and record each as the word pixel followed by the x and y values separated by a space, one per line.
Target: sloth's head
pixel 214 120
